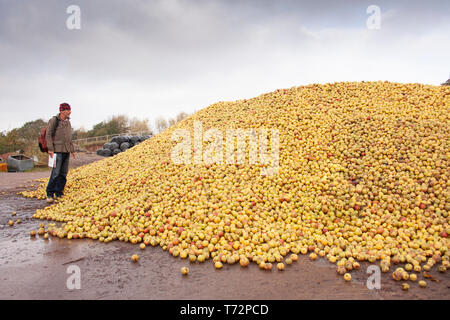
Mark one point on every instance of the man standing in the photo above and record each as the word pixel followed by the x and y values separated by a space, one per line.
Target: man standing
pixel 61 146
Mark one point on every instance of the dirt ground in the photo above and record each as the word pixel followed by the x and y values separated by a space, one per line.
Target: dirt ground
pixel 34 268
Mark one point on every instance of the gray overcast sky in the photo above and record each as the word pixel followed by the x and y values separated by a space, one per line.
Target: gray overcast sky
pixel 160 57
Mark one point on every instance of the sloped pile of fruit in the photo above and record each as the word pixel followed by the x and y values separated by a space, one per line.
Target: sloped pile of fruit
pixel 363 176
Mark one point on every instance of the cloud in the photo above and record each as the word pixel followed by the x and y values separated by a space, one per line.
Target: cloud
pixel 151 58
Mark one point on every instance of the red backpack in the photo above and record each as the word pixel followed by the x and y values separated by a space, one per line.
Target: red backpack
pixel 41 139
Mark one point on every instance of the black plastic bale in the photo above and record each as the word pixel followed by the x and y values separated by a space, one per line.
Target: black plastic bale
pixel 113 146
pixel 119 140
pixel 116 151
pixel 100 152
pixel 107 152
pixel 134 139
pixel 115 139
pixel 124 146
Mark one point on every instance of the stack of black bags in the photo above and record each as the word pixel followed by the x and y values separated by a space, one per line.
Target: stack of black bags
pixel 120 144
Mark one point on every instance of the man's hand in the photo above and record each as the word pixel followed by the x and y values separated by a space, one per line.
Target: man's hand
pixel 50 153
pixel 73 155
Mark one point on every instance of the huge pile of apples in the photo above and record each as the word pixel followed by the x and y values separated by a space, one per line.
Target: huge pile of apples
pixel 363 176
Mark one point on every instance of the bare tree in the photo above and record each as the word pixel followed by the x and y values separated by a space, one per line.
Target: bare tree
pixel 80 133
pixel 161 124
pixel 119 122
pixel 172 122
pixel 181 116
pixel 137 125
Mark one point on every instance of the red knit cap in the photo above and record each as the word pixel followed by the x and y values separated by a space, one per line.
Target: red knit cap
pixel 64 106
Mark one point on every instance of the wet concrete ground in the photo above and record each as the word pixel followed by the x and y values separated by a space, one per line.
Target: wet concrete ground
pixel 34 268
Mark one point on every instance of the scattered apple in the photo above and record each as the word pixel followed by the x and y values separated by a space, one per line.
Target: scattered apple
pixel 184 270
